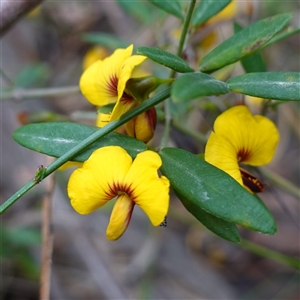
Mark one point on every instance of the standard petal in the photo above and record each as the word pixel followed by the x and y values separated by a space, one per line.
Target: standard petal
pixel 150 191
pixel 264 148
pixel 253 138
pixel 220 153
pixel 126 71
pixel 99 83
pixel 120 217
pixel 92 185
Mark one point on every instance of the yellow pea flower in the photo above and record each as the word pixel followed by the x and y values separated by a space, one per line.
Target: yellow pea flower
pixel 143 126
pixel 111 173
pixel 240 137
pixel 105 80
pixel 93 55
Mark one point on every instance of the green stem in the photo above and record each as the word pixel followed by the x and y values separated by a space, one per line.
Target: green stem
pixel 168 115
pixel 265 252
pixel 36 93
pixel 185 27
pixel 281 182
pixel 86 143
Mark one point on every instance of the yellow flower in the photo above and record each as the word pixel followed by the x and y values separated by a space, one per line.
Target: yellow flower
pixel 227 13
pixel 111 173
pixel 105 80
pixel 92 55
pixel 142 127
pixel 240 137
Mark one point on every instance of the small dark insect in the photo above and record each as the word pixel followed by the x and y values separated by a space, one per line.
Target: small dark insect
pixel 251 182
pixel 40 174
pixel 164 222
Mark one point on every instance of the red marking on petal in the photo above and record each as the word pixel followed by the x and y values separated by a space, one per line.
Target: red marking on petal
pixel 116 188
pixel 112 85
pixel 243 154
pixel 126 99
pixel 151 117
pixel 251 182
pixel 129 214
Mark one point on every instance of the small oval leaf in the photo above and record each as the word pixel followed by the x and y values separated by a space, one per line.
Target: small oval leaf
pixel 243 43
pixel 107 40
pixel 220 227
pixel 195 85
pixel 57 138
pixel 207 9
pixel 140 10
pixel 172 7
pixel 166 59
pixel 253 62
pixel 214 191
pixel 269 85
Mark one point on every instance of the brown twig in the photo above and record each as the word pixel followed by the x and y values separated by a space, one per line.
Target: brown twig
pixel 47 236
pixel 12 11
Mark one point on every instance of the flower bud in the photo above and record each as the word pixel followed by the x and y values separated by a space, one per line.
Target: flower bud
pixel 142 127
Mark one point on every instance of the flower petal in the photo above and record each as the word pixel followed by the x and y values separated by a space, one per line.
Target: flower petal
pixel 220 153
pixel 99 83
pixel 241 137
pixel 91 186
pixel 142 126
pixel 122 107
pixel 120 217
pixel 150 191
pixel 102 119
pixel 93 55
pixel 265 146
pixel 126 70
pixel 254 138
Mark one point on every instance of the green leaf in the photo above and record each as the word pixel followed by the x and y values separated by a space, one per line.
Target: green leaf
pixel 195 85
pixel 107 40
pixel 243 43
pixel 214 191
pixel 172 7
pixel 253 62
pixel 141 11
pixel 55 139
pixel 220 227
pixel 270 85
pixel 106 109
pixel 281 36
pixel 35 74
pixel 166 59
pixel 207 9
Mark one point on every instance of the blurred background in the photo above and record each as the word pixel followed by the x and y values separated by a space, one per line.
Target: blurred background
pixel 49 48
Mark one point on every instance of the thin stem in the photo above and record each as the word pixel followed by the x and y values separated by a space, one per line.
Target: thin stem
pixel 265 252
pixel 86 143
pixel 21 94
pixel 281 182
pixel 47 235
pixel 167 104
pixel 185 27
